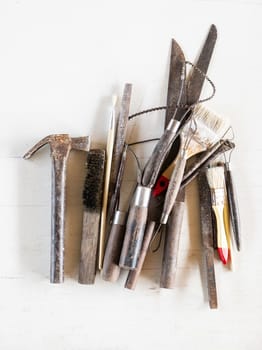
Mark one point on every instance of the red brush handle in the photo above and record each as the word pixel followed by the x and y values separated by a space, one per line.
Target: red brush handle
pixel 161 186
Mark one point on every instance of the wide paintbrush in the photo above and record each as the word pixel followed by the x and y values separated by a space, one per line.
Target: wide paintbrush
pixel 216 181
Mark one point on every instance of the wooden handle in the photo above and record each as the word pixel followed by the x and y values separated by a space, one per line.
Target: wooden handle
pixel 133 275
pixel 206 230
pixel 174 186
pixel 222 245
pixel 159 154
pixel 134 235
pixel 111 269
pixel 172 238
pixel 89 245
pixel 233 208
pixel 58 220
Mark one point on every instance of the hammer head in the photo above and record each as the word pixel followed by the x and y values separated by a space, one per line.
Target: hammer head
pixel 61 144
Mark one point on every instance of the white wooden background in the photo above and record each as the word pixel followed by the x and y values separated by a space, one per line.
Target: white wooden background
pixel 60 62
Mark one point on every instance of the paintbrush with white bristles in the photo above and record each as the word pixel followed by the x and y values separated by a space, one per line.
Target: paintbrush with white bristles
pixel 216 181
pixel 208 129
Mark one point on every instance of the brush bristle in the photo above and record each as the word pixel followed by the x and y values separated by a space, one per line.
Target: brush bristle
pixel 93 187
pixel 215 177
pixel 207 120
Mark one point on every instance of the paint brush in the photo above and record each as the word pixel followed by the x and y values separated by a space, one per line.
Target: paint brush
pixel 92 200
pixel 109 153
pixel 208 130
pixel 216 181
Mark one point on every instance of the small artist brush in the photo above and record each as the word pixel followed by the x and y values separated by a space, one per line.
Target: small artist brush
pixel 109 154
pixel 216 181
pixel 233 204
pixel 92 200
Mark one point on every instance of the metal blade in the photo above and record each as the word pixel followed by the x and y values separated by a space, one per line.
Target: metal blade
pixel 196 80
pixel 177 63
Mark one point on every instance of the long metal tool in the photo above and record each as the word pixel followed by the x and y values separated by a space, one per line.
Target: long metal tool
pixel 138 211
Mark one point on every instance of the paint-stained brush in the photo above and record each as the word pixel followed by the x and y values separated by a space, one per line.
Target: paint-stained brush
pixel 216 181
pixel 209 128
pixel 92 200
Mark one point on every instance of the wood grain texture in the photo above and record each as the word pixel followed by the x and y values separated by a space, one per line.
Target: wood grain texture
pixel 111 269
pixel 133 275
pixel 207 237
pixel 171 246
pixel 134 235
pixel 89 245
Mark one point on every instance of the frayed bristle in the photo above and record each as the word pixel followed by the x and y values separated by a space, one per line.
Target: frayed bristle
pixel 208 120
pixel 215 177
pixel 93 187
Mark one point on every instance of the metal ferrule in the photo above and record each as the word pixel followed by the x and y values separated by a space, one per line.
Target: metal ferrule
pixel 142 196
pixel 173 125
pixel 218 196
pixel 119 218
pixel 164 218
pixel 228 167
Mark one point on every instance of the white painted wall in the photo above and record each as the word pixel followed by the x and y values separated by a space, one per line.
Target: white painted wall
pixel 60 61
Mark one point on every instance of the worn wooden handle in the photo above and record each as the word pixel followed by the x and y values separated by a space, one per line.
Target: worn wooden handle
pixel 58 220
pixel 233 208
pixel 89 245
pixel 172 238
pixel 158 156
pixel 133 275
pixel 134 235
pixel 174 186
pixel 111 269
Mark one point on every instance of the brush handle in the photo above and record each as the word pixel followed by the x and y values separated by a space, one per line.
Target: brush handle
pixel 172 238
pixel 174 186
pixel 233 207
pixel 135 228
pixel 111 269
pixel 159 154
pixel 89 245
pixel 222 245
pixel 133 275
pixel 206 230
pixel 58 218
pixel 226 216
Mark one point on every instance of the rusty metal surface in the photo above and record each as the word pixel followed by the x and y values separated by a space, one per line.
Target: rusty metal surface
pixel 60 145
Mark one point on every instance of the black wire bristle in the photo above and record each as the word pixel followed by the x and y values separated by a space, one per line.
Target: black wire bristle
pixel 93 187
